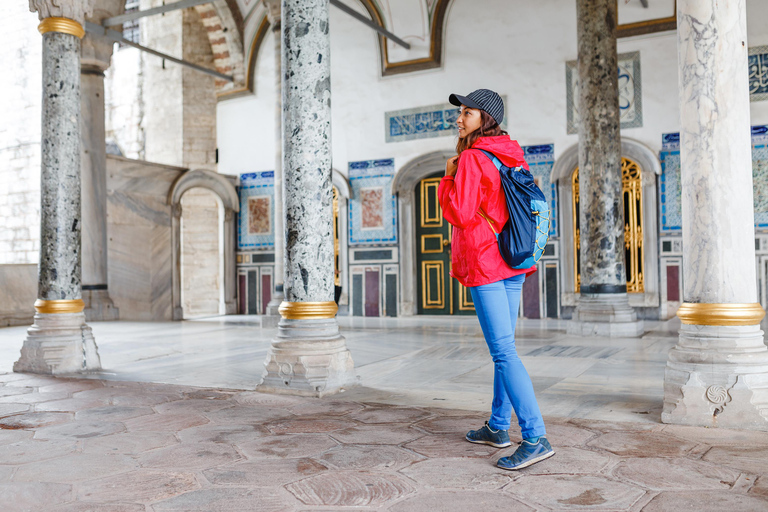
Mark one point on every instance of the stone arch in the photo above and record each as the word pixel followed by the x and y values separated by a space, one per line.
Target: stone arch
pixel 403 186
pixel 561 175
pixel 225 190
pixel 345 192
pixel 223 23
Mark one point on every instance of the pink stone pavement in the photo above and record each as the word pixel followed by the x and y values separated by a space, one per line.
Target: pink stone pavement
pixel 88 445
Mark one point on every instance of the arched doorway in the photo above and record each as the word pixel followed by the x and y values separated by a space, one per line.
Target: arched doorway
pixel 438 292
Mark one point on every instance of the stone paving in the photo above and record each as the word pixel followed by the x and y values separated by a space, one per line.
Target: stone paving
pixel 106 446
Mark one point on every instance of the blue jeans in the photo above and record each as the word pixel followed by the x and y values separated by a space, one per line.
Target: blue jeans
pixel 497 305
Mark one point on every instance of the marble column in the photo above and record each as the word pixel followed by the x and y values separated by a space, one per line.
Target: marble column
pixel 717 374
pixel 95 59
pixel 60 341
pixel 603 308
pixel 273 308
pixel 308 356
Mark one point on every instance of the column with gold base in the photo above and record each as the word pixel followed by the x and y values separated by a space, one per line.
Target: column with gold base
pixel 308 356
pixel 60 342
pixel 717 374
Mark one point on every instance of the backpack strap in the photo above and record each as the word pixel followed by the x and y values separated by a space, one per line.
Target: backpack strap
pixel 493 159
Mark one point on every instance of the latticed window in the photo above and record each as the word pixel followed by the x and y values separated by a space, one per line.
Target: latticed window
pixel 632 195
pixel 131 28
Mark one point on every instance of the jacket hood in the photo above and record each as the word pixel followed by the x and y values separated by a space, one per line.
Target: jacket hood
pixel 508 151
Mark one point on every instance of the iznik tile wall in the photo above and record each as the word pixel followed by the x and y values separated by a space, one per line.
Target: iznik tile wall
pixel 670 189
pixel 541 159
pixel 630 92
pixel 372 208
pixel 255 223
pixel 758 73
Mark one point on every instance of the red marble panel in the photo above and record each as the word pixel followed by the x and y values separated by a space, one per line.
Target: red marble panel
pixel 372 201
pixel 673 283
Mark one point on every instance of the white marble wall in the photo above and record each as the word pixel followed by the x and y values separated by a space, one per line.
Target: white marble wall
pixel 18 292
pixel 201 258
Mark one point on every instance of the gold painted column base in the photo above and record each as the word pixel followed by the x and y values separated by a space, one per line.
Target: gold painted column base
pixel 63 25
pixel 59 306
pixel 720 314
pixel 308 310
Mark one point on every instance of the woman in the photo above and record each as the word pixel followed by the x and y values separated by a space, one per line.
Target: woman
pixel 473 202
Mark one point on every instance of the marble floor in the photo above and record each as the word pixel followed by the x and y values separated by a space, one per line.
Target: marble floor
pixel 416 361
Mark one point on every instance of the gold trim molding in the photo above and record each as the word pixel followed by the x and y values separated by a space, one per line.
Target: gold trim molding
pixel 720 314
pixel 59 306
pixel 63 25
pixel 308 310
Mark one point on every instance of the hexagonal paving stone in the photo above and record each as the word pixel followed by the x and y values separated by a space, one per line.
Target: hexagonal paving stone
pixel 450 446
pixel 138 486
pixel 389 415
pixel 750 459
pixel 458 425
pixel 71 386
pixel 34 420
pixel 288 446
pixel 560 434
pixel 377 434
pixel 239 414
pixel 34 495
pixel 675 474
pixel 318 406
pixel 79 430
pixel 200 406
pixel 705 501
pixel 6 472
pixel 33 380
pixel 33 450
pixel 33 398
pixel 79 506
pixel 70 405
pixel 196 456
pixel 129 443
pixel 761 488
pixel 264 473
pixel 561 492
pixel 570 461
pixel 642 444
pixel 208 394
pixel 351 489
pixel 307 426
pixel 451 501
pixel 467 474
pixel 14 391
pixel 614 426
pixel 112 413
pixel 165 422
pixel 14 436
pixel 267 399
pixel 370 457
pixel 228 434
pixel 227 500
pixel 139 399
pixel 718 436
pixel 9 409
pixel 74 468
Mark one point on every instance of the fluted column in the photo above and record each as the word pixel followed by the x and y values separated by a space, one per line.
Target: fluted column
pixel 273 311
pixel 95 59
pixel 603 307
pixel 717 374
pixel 309 356
pixel 60 341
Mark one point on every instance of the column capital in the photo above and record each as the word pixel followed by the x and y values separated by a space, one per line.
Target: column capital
pixel 273 11
pixel 97 50
pixel 75 10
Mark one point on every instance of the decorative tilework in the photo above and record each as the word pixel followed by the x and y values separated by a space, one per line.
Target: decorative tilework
pixel 758 73
pixel 630 92
pixel 257 192
pixel 424 122
pixel 670 188
pixel 371 183
pixel 541 159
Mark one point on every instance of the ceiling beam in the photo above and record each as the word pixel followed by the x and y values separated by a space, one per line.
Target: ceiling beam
pixel 183 4
pixel 372 24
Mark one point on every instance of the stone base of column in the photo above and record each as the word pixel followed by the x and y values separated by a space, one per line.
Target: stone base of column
pixel 99 306
pixel 717 376
pixel 58 344
pixel 308 358
pixel 605 314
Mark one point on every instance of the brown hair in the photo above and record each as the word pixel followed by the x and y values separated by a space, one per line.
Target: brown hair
pixel 488 128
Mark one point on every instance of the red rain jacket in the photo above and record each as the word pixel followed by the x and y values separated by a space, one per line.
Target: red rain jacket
pixel 475 256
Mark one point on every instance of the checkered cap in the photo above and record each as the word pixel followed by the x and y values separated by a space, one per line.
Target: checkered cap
pixel 483 99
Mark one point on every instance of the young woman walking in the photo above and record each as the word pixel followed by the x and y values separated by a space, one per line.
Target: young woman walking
pixel 473 201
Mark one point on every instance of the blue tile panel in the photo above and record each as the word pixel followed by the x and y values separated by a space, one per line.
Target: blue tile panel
pixel 758 73
pixel 541 159
pixel 630 92
pixel 251 185
pixel 670 189
pixel 372 174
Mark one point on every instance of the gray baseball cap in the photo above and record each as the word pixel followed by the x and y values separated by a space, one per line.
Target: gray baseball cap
pixel 483 99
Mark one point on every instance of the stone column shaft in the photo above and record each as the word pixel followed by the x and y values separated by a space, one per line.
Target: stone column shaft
pixel 603 307
pixel 60 341
pixel 308 356
pixel 717 375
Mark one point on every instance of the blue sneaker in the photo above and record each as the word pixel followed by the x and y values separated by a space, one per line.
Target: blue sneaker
pixel 526 454
pixel 486 435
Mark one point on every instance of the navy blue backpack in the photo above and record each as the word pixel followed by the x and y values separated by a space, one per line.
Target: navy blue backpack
pixel 524 236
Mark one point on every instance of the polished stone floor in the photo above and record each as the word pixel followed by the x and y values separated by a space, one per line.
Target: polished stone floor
pixel 423 361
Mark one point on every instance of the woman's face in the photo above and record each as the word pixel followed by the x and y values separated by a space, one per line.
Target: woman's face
pixel 469 120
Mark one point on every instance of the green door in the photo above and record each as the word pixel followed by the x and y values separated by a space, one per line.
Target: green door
pixel 439 293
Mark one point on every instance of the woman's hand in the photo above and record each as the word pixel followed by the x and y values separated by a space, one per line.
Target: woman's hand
pixel 451 166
